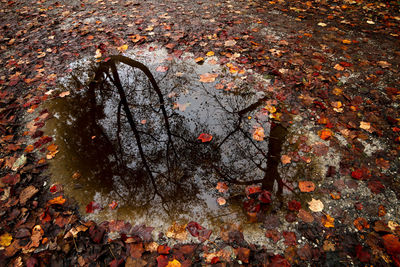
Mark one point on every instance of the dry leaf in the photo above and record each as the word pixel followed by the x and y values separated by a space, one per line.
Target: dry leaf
pixel 315 205
pixel 177 231
pixel 208 77
pixel 306 186
pixel 221 201
pixel 64 94
pixel 259 134
pixel 5 240
pixel 285 159
pixel 328 221
pixel 27 193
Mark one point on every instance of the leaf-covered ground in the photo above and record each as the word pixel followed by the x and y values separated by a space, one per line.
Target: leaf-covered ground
pixel 335 72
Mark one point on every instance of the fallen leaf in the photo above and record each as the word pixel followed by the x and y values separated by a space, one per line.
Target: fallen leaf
pixel 322 24
pixel 113 205
pixel 5 240
pixel 162 68
pixel 174 263
pixel 361 224
pixel 230 43
pixel 57 201
pixel 259 134
pixel 306 186
pixel 204 137
pixel 328 221
pixel 346 41
pixel 221 201
pixel 305 216
pixel 325 134
pixel 222 187
pixel 285 159
pixel 365 125
pixel 208 77
pixel 210 53
pixel 199 60
pixel 92 206
pixel 122 48
pixel 315 205
pixel 177 231
pixel 64 94
pixel 27 193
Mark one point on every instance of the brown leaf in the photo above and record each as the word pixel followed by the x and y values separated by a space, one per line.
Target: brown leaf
pixel 27 193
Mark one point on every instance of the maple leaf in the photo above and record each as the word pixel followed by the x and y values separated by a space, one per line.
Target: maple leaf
pixel 208 77
pixel 198 231
pixel 204 137
pixel 306 186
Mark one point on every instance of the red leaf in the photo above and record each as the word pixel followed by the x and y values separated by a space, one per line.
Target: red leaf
pixel 162 261
pixel 204 137
pixel 294 205
pixel 253 189
pixel 163 249
pixel 279 261
pixel 392 244
pixel 265 197
pixel 198 231
pixel 362 254
pixel 357 174
pixel 92 206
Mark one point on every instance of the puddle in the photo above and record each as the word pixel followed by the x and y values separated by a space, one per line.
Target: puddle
pixel 145 154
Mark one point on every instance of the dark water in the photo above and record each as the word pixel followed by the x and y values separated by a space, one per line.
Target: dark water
pixel 141 148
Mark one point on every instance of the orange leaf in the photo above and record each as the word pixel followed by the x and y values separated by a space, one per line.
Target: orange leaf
pixel 208 77
pixel 52 147
pixel 361 223
pixel 306 186
pixel 285 159
pixel 325 134
pixel 328 221
pixel 222 187
pixel 204 137
pixel 259 134
pixel 57 200
pixel 29 148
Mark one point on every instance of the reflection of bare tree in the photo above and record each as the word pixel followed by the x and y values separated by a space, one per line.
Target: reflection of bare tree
pixel 160 160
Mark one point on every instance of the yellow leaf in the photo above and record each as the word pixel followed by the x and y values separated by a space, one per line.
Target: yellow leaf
pixel 328 221
pixel 210 54
pixel 346 42
pixel 174 263
pixel 123 48
pixel 5 240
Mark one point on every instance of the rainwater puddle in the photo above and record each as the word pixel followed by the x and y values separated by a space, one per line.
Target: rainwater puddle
pixel 144 153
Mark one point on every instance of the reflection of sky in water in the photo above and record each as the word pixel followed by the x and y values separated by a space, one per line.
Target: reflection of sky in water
pixel 106 153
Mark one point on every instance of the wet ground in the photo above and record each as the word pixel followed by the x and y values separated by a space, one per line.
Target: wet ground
pixel 315 82
pixel 150 161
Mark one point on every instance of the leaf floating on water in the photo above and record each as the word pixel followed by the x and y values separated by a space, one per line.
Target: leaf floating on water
pixel 325 134
pixel 204 137
pixel 181 107
pixel 208 77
